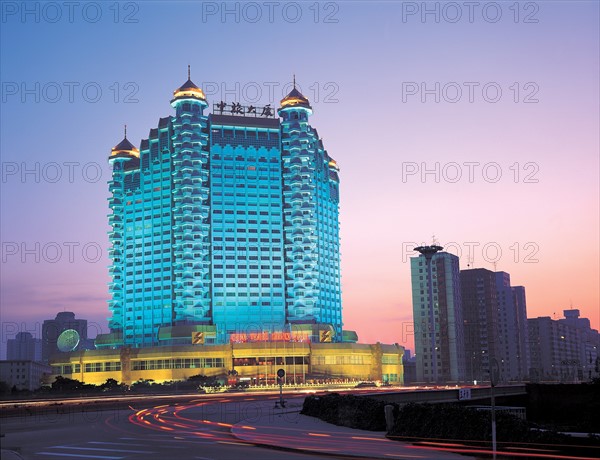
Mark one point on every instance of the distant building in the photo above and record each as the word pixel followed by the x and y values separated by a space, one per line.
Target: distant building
pixel 523 354
pixel 480 314
pixel 24 348
pixel 564 350
pixel 53 328
pixel 439 346
pixel 495 324
pixel 23 374
pixel 512 349
pixel 410 368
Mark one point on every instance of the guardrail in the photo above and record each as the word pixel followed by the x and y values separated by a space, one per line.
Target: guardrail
pixel 448 395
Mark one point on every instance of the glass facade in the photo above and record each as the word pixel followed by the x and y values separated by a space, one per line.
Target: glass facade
pixel 224 219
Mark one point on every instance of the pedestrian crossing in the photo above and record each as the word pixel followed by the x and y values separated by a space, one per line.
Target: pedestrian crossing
pixel 125 447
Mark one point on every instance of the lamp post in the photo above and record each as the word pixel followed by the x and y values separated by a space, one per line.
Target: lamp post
pixel 494 377
pixel 293 351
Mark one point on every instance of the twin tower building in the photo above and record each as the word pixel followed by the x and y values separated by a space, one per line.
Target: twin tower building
pixel 224 227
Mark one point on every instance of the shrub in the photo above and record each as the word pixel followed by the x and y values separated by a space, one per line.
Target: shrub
pixel 347 410
pixel 451 421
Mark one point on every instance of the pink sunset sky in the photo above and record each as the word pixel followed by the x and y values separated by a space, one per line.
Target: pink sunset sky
pixel 529 205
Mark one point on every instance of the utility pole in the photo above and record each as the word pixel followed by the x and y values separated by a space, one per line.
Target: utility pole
pixel 494 376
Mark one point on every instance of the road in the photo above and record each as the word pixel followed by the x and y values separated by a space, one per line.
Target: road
pixel 200 427
pixel 197 429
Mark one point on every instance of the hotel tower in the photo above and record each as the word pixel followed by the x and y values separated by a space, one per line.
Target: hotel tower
pixel 224 224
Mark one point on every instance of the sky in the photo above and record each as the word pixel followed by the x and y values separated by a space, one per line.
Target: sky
pixel 472 125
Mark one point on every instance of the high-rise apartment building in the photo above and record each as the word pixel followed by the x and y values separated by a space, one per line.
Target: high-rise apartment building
pixel 480 313
pixel 438 322
pixel 564 350
pixel 495 320
pixel 522 337
pixel 513 341
pixel 224 223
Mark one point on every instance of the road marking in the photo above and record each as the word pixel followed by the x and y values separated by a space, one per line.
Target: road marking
pixel 103 449
pixel 62 454
pixel 173 439
pixel 117 443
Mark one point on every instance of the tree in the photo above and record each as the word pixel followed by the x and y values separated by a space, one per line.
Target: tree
pixel 200 380
pixel 66 384
pixel 112 385
pixel 4 388
pixel 142 385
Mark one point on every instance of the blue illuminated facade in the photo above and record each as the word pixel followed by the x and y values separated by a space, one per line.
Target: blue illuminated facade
pixel 223 223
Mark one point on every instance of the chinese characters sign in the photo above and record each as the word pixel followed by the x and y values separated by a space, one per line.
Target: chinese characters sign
pixel 235 108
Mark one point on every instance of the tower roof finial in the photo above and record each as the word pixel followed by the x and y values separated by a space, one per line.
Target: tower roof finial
pixel 294 81
pixel 188 89
pixel 124 149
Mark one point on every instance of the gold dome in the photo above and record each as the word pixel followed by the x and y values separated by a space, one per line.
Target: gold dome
pixel 295 99
pixel 189 89
pixel 125 148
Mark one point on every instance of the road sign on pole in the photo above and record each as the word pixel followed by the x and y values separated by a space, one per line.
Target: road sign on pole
pixel 280 376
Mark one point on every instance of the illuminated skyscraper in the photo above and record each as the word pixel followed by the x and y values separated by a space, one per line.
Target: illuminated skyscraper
pixel 222 223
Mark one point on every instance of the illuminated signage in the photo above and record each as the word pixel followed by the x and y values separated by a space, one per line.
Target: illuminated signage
pixel 325 336
pixel 235 108
pixel 198 338
pixel 276 336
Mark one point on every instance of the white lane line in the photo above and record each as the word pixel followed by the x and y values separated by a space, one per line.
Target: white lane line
pixel 104 449
pixel 63 454
pixel 179 439
pixel 117 443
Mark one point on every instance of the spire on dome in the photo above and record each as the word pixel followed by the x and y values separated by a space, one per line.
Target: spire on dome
pixel 188 90
pixel 125 148
pixel 295 99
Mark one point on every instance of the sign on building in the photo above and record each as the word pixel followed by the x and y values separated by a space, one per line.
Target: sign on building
pixel 198 338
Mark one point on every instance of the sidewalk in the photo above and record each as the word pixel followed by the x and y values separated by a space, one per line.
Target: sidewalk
pixel 288 429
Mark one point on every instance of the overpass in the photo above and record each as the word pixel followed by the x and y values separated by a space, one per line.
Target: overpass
pixel 462 394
